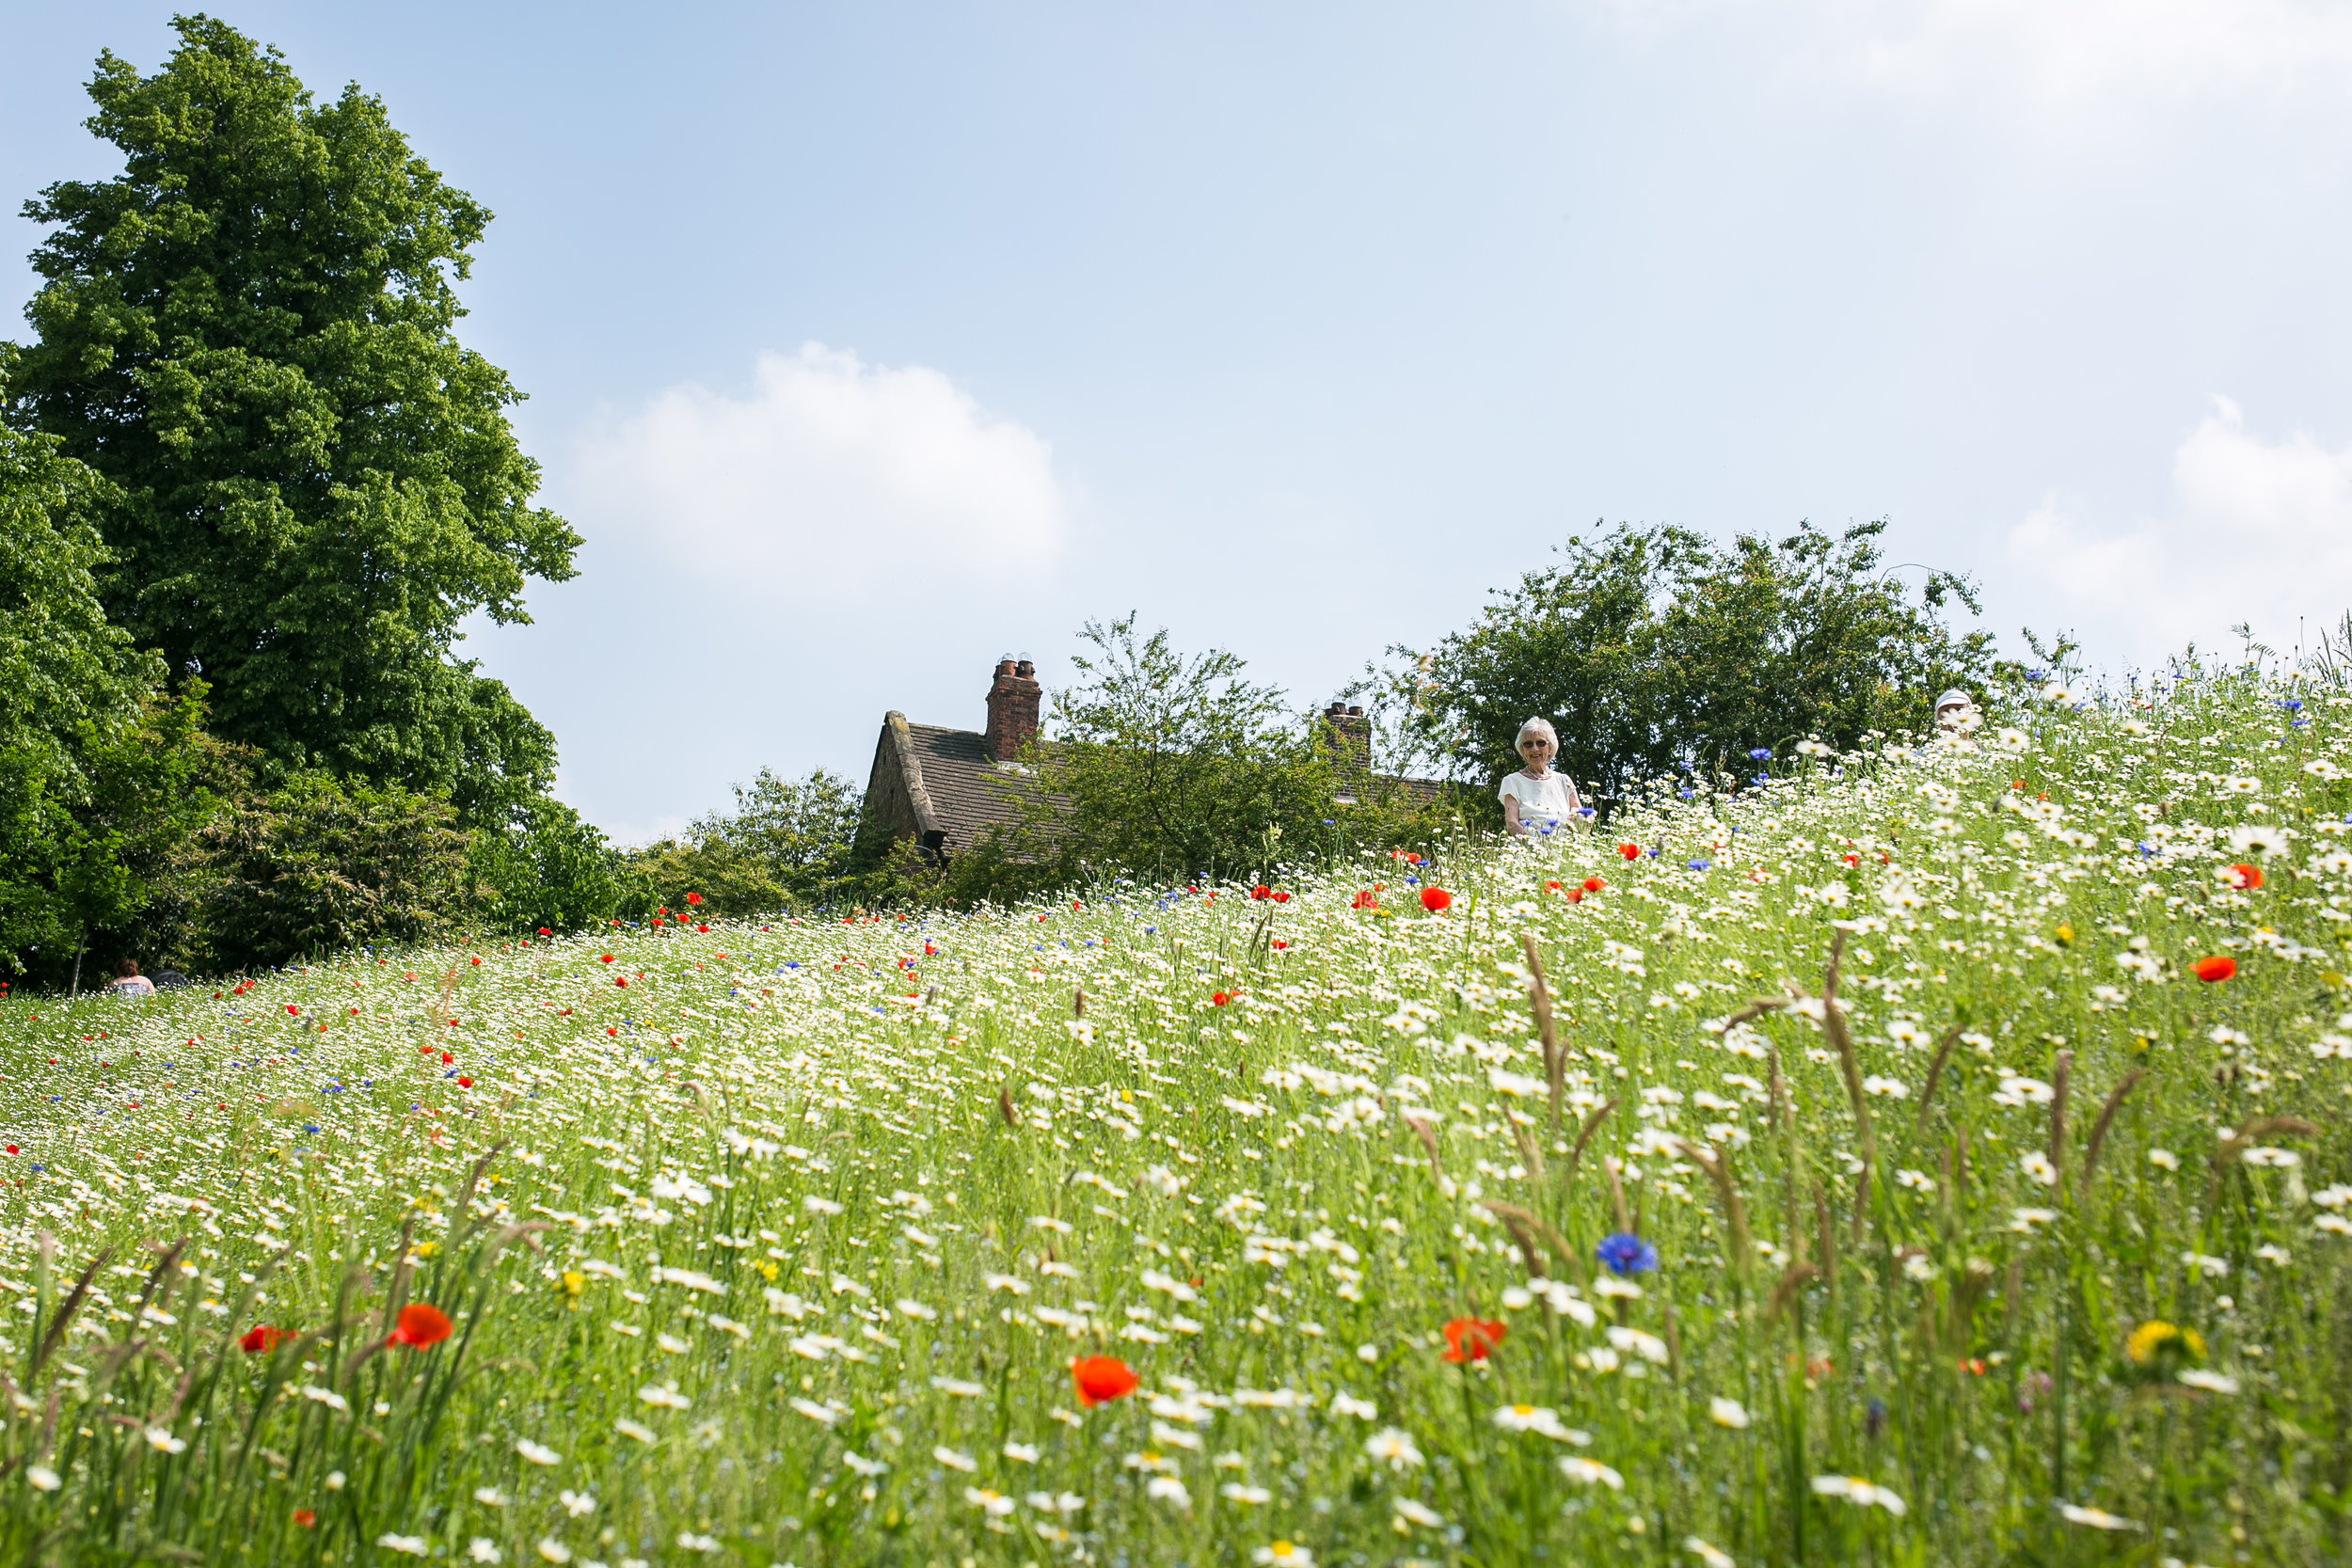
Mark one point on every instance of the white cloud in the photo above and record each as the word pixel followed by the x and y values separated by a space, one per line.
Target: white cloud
pixel 2261 532
pixel 2044 56
pixel 827 466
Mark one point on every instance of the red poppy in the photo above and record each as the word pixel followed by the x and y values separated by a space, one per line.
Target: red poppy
pixel 1594 884
pixel 702 928
pixel 1219 998
pixel 291 1010
pixel 621 980
pixel 613 1032
pixel 1280 945
pixel 421 1325
pixel 604 957
pixel 307 1519
pixel 1436 898
pixel 1262 891
pixel 2247 877
pixel 1100 1379
pixel 1551 887
pixel 545 932
pixel 1282 898
pixel 2215 968
pixel 464 1083
pixel 1470 1339
pixel 1365 900
pixel 1574 895
pixel 694 897
pixel 1631 852
pixel 262 1338
pixel 475 961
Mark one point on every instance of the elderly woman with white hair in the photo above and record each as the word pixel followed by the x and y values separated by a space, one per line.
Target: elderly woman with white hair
pixel 1536 799
pixel 1956 711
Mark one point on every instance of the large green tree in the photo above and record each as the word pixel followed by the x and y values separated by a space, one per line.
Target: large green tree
pixel 1654 649
pixel 249 332
pixel 94 757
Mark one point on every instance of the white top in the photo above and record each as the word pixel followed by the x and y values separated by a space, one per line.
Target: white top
pixel 1550 798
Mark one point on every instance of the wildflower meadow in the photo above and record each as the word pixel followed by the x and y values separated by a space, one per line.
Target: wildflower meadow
pixel 1930 1154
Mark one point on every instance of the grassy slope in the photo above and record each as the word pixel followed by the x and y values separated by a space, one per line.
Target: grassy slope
pixel 905 1187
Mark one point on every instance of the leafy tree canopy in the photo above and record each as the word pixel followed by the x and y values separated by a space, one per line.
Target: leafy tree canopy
pixel 1655 648
pixel 250 333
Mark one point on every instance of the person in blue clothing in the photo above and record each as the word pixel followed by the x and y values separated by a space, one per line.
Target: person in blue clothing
pixel 129 984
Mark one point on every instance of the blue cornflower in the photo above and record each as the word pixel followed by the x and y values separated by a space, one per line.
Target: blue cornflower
pixel 1626 1253
pixel 2037 675
pixel 2293 704
pixel 1759 778
pixel 1689 793
pixel 1762 754
pixel 1702 864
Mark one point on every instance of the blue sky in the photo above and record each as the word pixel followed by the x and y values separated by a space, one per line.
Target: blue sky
pixel 866 343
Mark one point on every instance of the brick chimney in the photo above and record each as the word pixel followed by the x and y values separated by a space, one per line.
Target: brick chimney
pixel 1013 698
pixel 1350 733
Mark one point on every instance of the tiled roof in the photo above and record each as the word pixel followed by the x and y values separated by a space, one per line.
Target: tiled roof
pixel 969 794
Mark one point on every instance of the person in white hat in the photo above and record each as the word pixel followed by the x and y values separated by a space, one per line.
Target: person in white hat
pixel 1956 711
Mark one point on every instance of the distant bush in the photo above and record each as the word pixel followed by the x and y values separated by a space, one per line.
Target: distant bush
pixel 317 864
pixel 544 867
pixel 788 844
